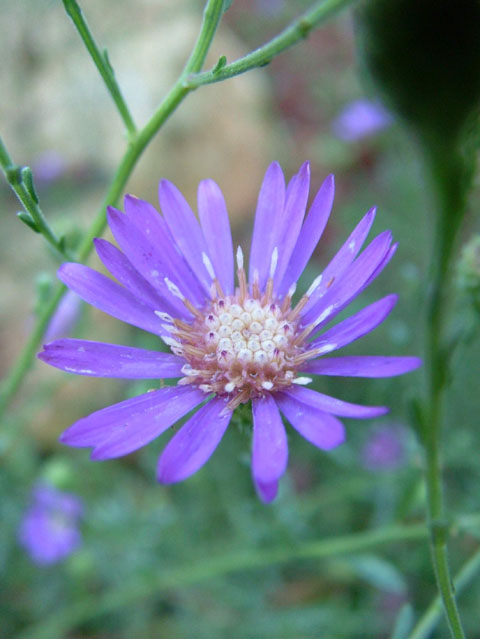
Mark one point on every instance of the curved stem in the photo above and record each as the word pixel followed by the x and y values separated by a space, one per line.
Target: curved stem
pixel 59 625
pixel 101 61
pixel 296 31
pixel 449 189
pixel 25 191
pixel 431 616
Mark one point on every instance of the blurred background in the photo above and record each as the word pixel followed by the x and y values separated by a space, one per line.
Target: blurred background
pixel 123 552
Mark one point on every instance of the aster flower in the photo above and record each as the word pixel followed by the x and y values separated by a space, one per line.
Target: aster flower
pixel 49 530
pixel 385 448
pixel 360 119
pixel 230 344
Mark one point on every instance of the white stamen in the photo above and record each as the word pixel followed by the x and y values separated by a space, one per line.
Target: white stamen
pixel 169 341
pixel 173 288
pixel 229 387
pixel 274 261
pixel 314 285
pixel 256 276
pixel 165 317
pixel 302 381
pixel 267 385
pixel 208 265
pixel 292 289
pixel 239 257
pixel 168 327
pixel 323 315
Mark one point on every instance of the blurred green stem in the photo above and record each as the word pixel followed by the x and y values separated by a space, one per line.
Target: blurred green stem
pixel 21 181
pixel 448 184
pixel 431 617
pixel 70 617
pixel 101 62
pixel 139 140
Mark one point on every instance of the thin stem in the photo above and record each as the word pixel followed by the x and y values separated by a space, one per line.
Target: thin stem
pixel 297 30
pixel 101 62
pixel 447 186
pixel 59 625
pixel 33 215
pixel 432 615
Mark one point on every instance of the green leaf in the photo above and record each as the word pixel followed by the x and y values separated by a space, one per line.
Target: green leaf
pixel 27 178
pixel 403 622
pixel 28 220
pixel 222 61
pixel 227 4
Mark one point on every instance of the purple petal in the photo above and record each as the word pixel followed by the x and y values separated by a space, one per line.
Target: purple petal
pixel 343 258
pixel 356 326
pixel 123 270
pixel 110 360
pixel 122 428
pixel 270 206
pixel 184 228
pixel 321 429
pixel 362 366
pixel 194 443
pixel 310 233
pixel 267 492
pixel 270 448
pixel 216 230
pixel 332 405
pixel 150 261
pixel 152 225
pixel 108 296
pixel 291 220
pixel 352 283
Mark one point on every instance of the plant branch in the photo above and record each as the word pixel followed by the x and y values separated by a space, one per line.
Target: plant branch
pixel 432 615
pixel 298 30
pixel 20 180
pixel 101 62
pixel 59 625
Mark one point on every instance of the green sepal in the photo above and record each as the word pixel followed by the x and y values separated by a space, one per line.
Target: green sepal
pixel 28 220
pixel 27 178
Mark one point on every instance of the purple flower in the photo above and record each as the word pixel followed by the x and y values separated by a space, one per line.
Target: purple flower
pixel 65 317
pixel 49 530
pixel 230 344
pixel 360 119
pixel 385 448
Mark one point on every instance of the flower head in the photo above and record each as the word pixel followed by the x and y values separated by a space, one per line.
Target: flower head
pixel 360 119
pixel 49 530
pixel 385 448
pixel 230 344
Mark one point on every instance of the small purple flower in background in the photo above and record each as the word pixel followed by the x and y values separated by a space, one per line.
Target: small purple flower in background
pixel 48 167
pixel 65 317
pixel 230 344
pixel 49 530
pixel 385 449
pixel 360 119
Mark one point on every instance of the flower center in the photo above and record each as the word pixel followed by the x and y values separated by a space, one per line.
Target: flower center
pixel 240 345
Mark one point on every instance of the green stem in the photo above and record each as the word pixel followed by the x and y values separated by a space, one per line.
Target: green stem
pixel 101 62
pixel 35 218
pixel 138 142
pixel 432 615
pixel 296 31
pixel 60 624
pixel 448 184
